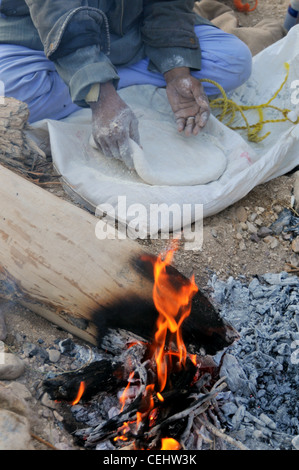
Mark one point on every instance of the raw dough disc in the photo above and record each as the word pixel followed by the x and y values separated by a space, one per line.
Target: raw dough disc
pixel 168 158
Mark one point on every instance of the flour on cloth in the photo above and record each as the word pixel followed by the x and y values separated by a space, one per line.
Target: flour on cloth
pixel 167 157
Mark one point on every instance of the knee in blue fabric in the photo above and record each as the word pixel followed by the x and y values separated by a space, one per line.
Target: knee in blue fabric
pixel 225 59
pixel 29 76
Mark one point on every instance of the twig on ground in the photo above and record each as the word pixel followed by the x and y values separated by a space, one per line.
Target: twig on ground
pixel 217 432
pixel 42 441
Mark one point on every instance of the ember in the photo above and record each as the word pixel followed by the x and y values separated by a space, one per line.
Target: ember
pixel 170 444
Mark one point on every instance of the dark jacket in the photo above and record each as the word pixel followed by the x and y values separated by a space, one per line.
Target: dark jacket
pixel 87 39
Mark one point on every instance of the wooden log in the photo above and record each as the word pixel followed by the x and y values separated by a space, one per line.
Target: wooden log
pixel 52 261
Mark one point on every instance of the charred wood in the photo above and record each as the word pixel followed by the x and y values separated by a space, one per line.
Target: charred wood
pixel 99 376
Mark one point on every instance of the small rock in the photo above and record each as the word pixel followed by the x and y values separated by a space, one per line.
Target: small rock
pixel 264 232
pixel 14 423
pixel 258 222
pixel 46 401
pixel 283 221
pixel 242 245
pixel 243 226
pixel 254 238
pixel 54 355
pixel 295 245
pixel 47 413
pixel 294 260
pixel 58 416
pixel 269 239
pixel 274 243
pixel 260 210
pixel 241 214
pixel 295 442
pixel 277 208
pixel 14 432
pixel 251 228
pixel 286 236
pixel 20 390
pixel 11 402
pixel 12 367
pixel 252 217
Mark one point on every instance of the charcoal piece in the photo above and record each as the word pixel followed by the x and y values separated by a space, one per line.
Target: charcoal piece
pixel 283 221
pixel 180 378
pixel 204 328
pixel 99 376
pixel 294 226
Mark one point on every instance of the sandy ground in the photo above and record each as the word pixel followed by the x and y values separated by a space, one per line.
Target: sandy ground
pixel 228 249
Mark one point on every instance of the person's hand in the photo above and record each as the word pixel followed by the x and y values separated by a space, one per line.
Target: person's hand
pixel 187 100
pixel 113 124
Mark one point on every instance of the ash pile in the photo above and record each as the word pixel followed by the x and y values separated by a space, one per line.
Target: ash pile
pixel 262 368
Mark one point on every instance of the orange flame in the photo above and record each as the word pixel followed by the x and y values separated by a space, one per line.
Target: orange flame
pixel 173 304
pixel 124 429
pixel 79 394
pixel 170 444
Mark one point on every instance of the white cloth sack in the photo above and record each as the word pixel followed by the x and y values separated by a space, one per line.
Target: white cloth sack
pixel 235 166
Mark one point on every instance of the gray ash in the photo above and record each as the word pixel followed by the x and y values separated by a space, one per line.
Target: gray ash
pixel 262 367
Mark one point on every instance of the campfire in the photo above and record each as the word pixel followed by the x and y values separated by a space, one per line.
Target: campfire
pixel 167 396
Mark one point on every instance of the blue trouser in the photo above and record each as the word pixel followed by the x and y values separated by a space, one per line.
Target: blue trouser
pixel 29 76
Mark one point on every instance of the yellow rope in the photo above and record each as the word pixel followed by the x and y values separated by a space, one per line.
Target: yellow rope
pixel 230 108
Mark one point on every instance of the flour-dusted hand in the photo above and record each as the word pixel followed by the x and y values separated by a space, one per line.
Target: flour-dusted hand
pixel 188 100
pixel 113 125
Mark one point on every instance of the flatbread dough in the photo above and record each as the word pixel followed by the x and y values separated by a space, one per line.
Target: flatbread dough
pixel 170 159
pixel 166 157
